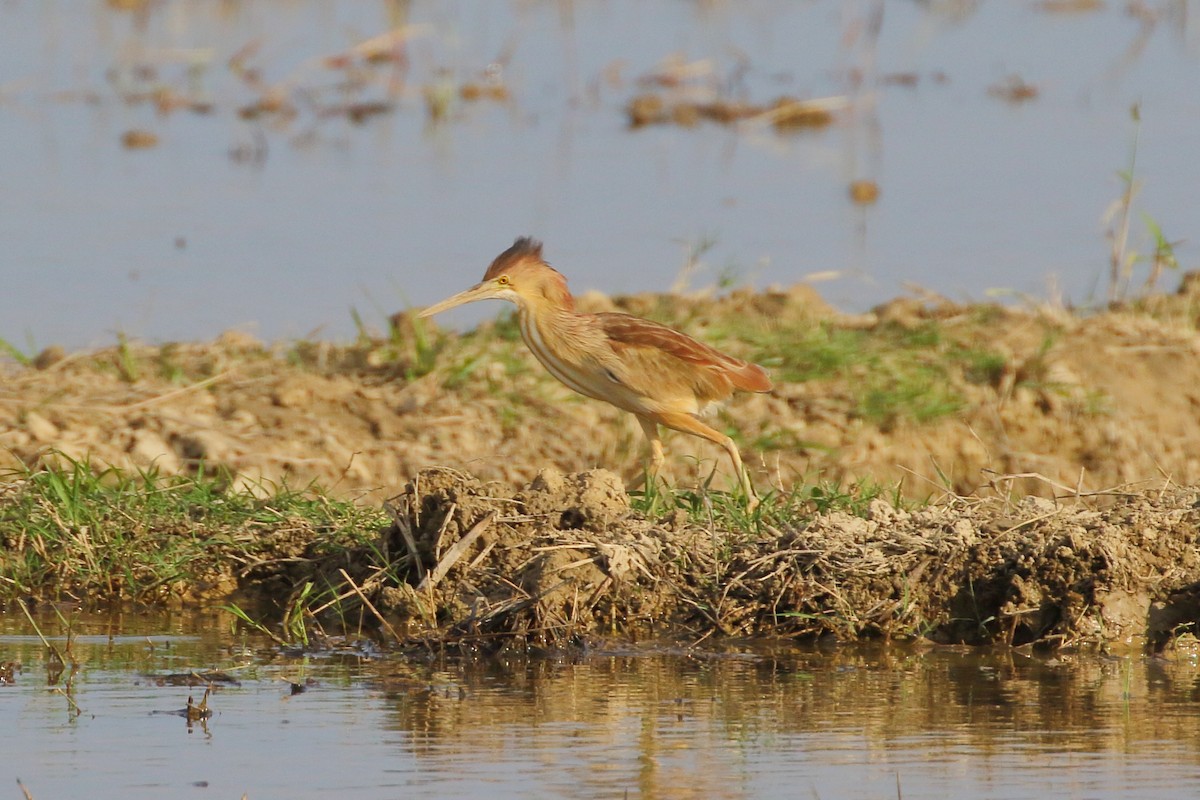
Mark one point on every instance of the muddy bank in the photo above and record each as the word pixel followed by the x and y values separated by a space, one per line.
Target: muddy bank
pixel 466 565
pixel 1057 449
pixel 565 559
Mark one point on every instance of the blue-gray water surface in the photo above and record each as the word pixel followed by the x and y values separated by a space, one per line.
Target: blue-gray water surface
pixel 864 721
pixel 281 224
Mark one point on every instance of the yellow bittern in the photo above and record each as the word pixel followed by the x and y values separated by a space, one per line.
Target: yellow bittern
pixel 661 376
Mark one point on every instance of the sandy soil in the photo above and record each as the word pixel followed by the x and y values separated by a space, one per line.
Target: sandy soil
pixel 1081 403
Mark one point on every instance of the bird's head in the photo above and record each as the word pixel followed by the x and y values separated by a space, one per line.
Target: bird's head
pixel 518 275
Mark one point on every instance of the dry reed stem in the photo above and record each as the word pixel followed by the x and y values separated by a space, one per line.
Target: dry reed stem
pixel 124 408
pixel 573 565
pixel 475 562
pixel 1075 492
pixel 405 528
pixel 45 642
pixel 455 552
pixel 382 621
pixel 437 540
pixel 369 582
pixel 1032 520
pixel 70 700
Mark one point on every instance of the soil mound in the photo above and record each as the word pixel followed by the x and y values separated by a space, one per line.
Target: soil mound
pixel 565 559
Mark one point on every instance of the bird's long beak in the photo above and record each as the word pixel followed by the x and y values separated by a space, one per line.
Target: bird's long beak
pixel 483 291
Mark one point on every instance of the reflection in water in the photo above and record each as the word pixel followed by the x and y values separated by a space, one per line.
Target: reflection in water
pixel 717 725
pixel 769 721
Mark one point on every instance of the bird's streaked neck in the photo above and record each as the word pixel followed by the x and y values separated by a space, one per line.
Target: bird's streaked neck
pixel 533 321
pixel 535 317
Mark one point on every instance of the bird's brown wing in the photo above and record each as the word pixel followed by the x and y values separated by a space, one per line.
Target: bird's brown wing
pixel 666 356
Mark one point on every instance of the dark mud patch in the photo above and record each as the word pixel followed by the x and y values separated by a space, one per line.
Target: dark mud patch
pixel 565 559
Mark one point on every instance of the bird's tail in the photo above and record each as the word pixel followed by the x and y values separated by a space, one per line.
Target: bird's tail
pixel 750 378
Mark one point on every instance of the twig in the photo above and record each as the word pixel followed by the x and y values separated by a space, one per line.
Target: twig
pixel 455 553
pixel 437 540
pixel 105 408
pixel 405 528
pixel 475 562
pixel 1031 520
pixel 387 625
pixel 162 398
pixel 573 546
pixel 339 598
pixel 1114 491
pixel 574 564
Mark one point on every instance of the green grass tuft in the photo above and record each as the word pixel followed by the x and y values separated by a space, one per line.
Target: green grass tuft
pixel 15 353
pixel 730 511
pixel 72 529
pixel 889 374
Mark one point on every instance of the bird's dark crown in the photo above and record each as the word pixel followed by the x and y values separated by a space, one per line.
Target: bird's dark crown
pixel 523 248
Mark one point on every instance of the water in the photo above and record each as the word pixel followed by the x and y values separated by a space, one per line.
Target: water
pixel 652 722
pixel 280 227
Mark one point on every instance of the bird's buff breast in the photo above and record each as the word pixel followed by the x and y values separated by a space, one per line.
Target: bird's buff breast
pixel 583 361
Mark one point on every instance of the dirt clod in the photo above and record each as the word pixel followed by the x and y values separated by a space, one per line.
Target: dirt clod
pixel 592 500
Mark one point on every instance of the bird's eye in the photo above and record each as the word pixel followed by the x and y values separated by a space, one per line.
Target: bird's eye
pixel 502 280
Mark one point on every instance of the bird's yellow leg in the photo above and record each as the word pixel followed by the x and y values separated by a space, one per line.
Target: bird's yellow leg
pixel 650 428
pixel 689 424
